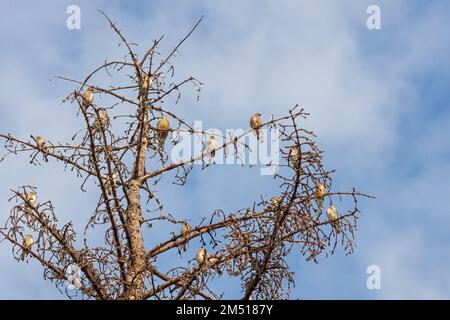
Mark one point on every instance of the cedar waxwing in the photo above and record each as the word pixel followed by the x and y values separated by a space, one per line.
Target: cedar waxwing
pixel 211 149
pixel 88 98
pixel 212 262
pixel 146 83
pixel 27 243
pixel 276 201
pixel 332 215
pixel 294 157
pixel 42 145
pixel 321 191
pixel 185 229
pixel 162 129
pixel 102 120
pixel 200 255
pixel 30 198
pixel 201 260
pixel 255 124
pixel 111 183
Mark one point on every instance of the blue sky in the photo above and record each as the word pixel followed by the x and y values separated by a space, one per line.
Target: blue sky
pixel 378 101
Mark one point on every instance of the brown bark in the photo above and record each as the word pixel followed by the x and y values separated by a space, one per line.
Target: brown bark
pixel 135 278
pixel 136 274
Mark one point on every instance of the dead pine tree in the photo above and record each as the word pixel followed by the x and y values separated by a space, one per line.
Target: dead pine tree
pixel 126 166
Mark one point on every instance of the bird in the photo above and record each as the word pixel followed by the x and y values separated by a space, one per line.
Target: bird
pixel 102 120
pixel 276 201
pixel 42 146
pixel 30 198
pixel 255 124
pixel 111 183
pixel 185 229
pixel 332 215
pixel 294 157
pixel 162 129
pixel 201 256
pixel 212 262
pixel 27 243
pixel 88 98
pixel 147 82
pixel 211 148
pixel 321 191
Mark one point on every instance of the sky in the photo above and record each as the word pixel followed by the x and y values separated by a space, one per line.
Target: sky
pixel 378 101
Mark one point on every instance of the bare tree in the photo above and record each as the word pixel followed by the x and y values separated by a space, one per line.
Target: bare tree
pixel 252 243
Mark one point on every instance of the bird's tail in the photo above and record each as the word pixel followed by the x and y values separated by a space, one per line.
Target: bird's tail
pixel 162 139
pixel 44 151
pixel 23 255
pixel 219 271
pixel 204 269
pixel 320 203
pixel 337 227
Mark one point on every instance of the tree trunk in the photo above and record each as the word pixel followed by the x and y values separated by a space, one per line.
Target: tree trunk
pixel 135 274
pixel 136 271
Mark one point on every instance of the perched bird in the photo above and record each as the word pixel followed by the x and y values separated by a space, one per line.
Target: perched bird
pixel 30 198
pixel 210 150
pixel 200 255
pixel 162 129
pixel 212 262
pixel 201 259
pixel 43 147
pixel 111 183
pixel 88 98
pixel 146 82
pixel 255 124
pixel 27 243
pixel 102 120
pixel 294 157
pixel 276 202
pixel 321 191
pixel 332 215
pixel 185 229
